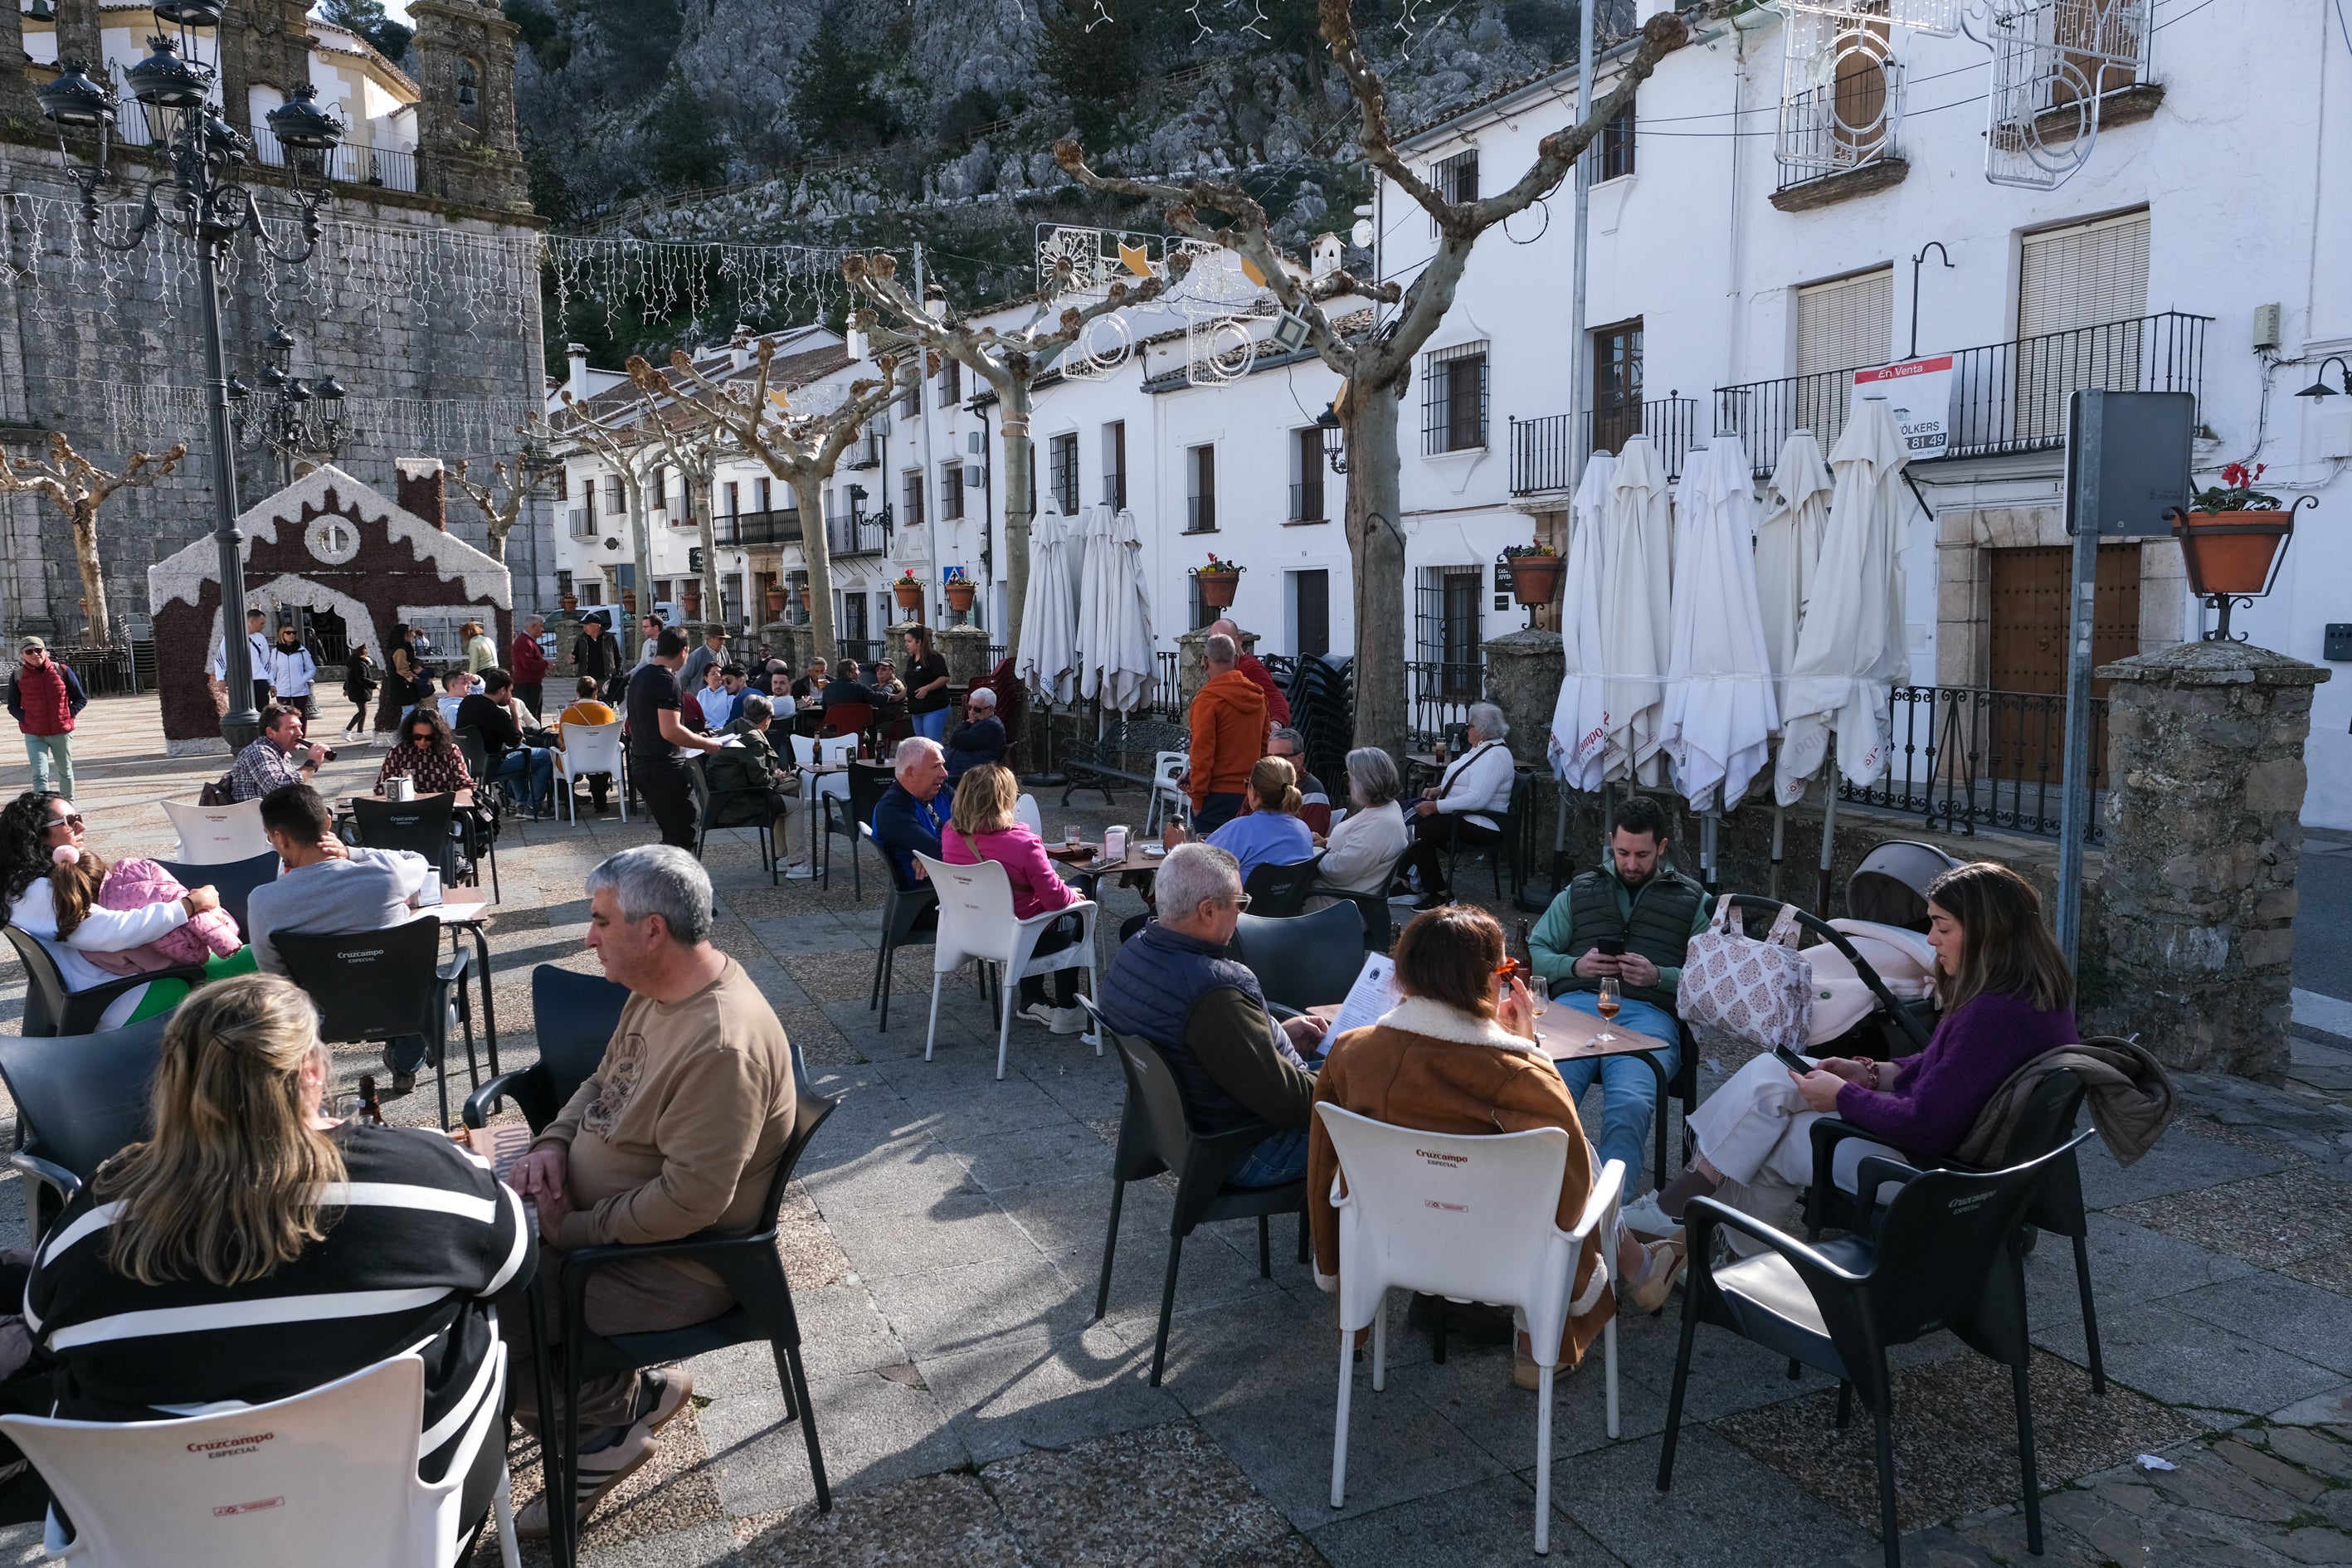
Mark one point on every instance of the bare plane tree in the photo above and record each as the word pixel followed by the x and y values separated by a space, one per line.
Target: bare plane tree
pixel 800 449
pixel 78 488
pixel 1375 361
pixel 1012 361
pixel 501 499
pixel 615 438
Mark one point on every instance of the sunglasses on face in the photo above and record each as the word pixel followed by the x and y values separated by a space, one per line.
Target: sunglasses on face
pixel 71 819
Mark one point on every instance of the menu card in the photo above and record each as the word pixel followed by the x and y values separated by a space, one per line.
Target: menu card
pixel 1369 998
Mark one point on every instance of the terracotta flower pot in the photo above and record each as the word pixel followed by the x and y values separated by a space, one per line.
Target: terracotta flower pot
pixel 2229 551
pixel 1535 579
pixel 961 594
pixel 629 600
pixel 776 600
pixel 911 594
pixel 1217 588
pixel 569 602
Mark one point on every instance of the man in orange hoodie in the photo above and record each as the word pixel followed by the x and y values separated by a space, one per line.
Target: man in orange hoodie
pixel 1229 727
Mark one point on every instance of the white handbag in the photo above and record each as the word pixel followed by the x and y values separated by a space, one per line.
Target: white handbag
pixel 1759 992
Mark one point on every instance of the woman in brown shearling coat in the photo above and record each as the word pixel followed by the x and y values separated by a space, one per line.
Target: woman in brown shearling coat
pixel 1448 1058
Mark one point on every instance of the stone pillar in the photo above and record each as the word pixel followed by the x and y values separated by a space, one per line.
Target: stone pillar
pixel 2204 839
pixel 1524 669
pixel 1192 673
pixel 966 651
pixel 566 627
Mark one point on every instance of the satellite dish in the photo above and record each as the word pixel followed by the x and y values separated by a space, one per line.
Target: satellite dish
pixel 1362 234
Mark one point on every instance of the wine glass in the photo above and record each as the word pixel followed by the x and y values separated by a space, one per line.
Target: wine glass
pixel 1607 1005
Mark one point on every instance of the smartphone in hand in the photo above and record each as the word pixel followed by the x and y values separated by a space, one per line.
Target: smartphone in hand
pixel 1792 1061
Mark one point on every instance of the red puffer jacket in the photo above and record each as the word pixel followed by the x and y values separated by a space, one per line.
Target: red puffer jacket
pixel 41 703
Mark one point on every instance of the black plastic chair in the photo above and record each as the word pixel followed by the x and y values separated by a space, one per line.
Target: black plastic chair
pixel 753 1270
pixel 1503 845
pixel 1279 892
pixel 1946 1256
pixel 1304 962
pixel 1155 1135
pixel 233 882
pixel 910 915
pixel 383 986
pixel 425 826
pixel 576 1015
pixel 51 1010
pixel 79 1100
pixel 2046 1128
pixel 869 783
pixel 707 802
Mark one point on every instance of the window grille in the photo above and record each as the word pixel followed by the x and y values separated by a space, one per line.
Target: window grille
pixel 1455 179
pixel 1063 457
pixel 951 492
pixel 1201 511
pixel 1454 398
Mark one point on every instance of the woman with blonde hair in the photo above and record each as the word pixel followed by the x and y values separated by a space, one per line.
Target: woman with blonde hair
pixel 253 1248
pixel 986 825
pixel 481 653
pixel 2007 998
pixel 1268 832
pixel 1459 1055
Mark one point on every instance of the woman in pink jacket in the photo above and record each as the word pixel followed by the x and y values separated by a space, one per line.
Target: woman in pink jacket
pixel 986 825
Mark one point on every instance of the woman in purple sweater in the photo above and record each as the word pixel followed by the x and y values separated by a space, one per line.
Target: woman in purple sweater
pixel 2006 998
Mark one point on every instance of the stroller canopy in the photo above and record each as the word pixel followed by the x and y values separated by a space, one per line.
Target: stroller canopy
pixel 1890 885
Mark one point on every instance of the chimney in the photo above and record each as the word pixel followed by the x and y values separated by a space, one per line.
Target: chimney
pixel 1326 253
pixel 577 354
pixel 420 489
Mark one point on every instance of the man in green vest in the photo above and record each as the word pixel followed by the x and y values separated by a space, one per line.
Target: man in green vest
pixel 1643 912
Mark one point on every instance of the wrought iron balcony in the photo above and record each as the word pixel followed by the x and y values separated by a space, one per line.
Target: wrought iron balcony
pixel 2007 398
pixel 866 534
pixel 757 527
pixel 1550 453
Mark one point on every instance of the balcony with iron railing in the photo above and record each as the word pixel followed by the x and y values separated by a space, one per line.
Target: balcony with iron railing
pixel 581 523
pixel 1550 453
pixel 347 162
pixel 781 527
pixel 2007 398
pixel 1201 514
pixel 862 534
pixel 1306 504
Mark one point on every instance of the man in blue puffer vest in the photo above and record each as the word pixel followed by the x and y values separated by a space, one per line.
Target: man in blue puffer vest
pixel 1173 986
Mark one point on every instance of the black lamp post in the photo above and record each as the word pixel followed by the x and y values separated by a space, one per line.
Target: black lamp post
pixel 290 416
pixel 200 194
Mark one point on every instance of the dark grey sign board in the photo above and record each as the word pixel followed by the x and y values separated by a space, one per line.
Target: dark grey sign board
pixel 2143 446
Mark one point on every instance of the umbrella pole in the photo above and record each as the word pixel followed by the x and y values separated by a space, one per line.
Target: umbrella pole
pixel 1780 827
pixel 1829 836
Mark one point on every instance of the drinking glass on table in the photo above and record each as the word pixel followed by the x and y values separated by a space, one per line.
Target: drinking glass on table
pixel 1073 835
pixel 1607 1005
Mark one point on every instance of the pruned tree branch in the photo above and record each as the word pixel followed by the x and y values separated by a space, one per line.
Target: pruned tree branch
pixel 78 487
pixel 512 485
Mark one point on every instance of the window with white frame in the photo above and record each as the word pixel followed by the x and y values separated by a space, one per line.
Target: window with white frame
pixel 1455 179
pixel 1454 398
pixel 951 492
pixel 1114 465
pixel 1200 489
pixel 1063 461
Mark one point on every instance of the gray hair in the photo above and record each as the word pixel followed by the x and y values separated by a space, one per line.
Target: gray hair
pixel 913 749
pixel 1489 720
pixel 1373 776
pixel 981 696
pixel 658 879
pixel 1195 873
pixel 1297 744
pixel 1220 649
pixel 756 707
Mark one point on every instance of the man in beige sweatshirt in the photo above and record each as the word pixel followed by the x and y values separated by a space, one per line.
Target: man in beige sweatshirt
pixel 679 1129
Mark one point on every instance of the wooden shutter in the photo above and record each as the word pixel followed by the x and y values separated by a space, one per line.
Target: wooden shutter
pixel 2083 275
pixel 1846 324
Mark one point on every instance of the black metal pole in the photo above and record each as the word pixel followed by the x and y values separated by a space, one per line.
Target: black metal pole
pixel 241 723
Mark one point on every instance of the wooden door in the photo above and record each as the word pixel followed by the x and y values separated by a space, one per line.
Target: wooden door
pixel 2023 727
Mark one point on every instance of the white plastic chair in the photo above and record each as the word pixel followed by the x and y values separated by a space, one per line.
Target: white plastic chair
pixel 976 921
pixel 335 1465
pixel 1167 767
pixel 591 749
pixel 1024 811
pixel 217 835
pixel 1471 1219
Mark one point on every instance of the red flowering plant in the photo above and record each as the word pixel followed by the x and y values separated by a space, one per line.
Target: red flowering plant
pixel 2236 492
pixel 1214 567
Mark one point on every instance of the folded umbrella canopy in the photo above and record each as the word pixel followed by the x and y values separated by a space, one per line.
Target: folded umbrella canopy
pixel 1579 719
pixel 1719 708
pixel 1789 546
pixel 1048 660
pixel 1634 606
pixel 1116 663
pixel 1850 651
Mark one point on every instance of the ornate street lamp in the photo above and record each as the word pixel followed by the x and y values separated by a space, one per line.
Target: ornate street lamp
pixel 201 194
pixel 287 416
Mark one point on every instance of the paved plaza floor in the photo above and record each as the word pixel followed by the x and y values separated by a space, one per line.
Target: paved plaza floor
pixel 945 1236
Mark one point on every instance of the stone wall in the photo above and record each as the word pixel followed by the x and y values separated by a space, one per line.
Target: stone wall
pixel 117 364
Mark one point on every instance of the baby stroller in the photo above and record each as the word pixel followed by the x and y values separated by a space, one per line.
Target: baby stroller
pixel 1873 973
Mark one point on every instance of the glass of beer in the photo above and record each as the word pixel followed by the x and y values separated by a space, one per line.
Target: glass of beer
pixel 1607 1005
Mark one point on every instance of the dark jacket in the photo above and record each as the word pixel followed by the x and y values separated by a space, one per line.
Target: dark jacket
pixel 360 677
pixel 903 829
pixel 971 744
pixel 496 726
pixel 1656 920
pixel 1207 1016
pixel 745 778
pixel 596 655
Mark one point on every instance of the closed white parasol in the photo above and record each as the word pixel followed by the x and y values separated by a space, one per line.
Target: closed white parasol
pixel 1115 615
pixel 1719 708
pixel 1789 545
pixel 1579 719
pixel 1634 606
pixel 1048 662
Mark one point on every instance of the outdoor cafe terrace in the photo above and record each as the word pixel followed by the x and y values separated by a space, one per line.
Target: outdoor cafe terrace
pixel 944 1234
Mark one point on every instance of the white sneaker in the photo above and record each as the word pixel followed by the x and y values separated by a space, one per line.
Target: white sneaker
pixel 1645 1218
pixel 798 871
pixel 1069 1021
pixel 1043 1013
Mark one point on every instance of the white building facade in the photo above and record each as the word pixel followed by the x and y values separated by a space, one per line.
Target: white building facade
pixel 1752 240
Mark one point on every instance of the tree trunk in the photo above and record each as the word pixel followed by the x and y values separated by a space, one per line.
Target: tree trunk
pixel 495 530
pixel 641 550
pixel 1017 456
pixel 714 603
pixel 93 575
pixel 817 550
pixel 1375 537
